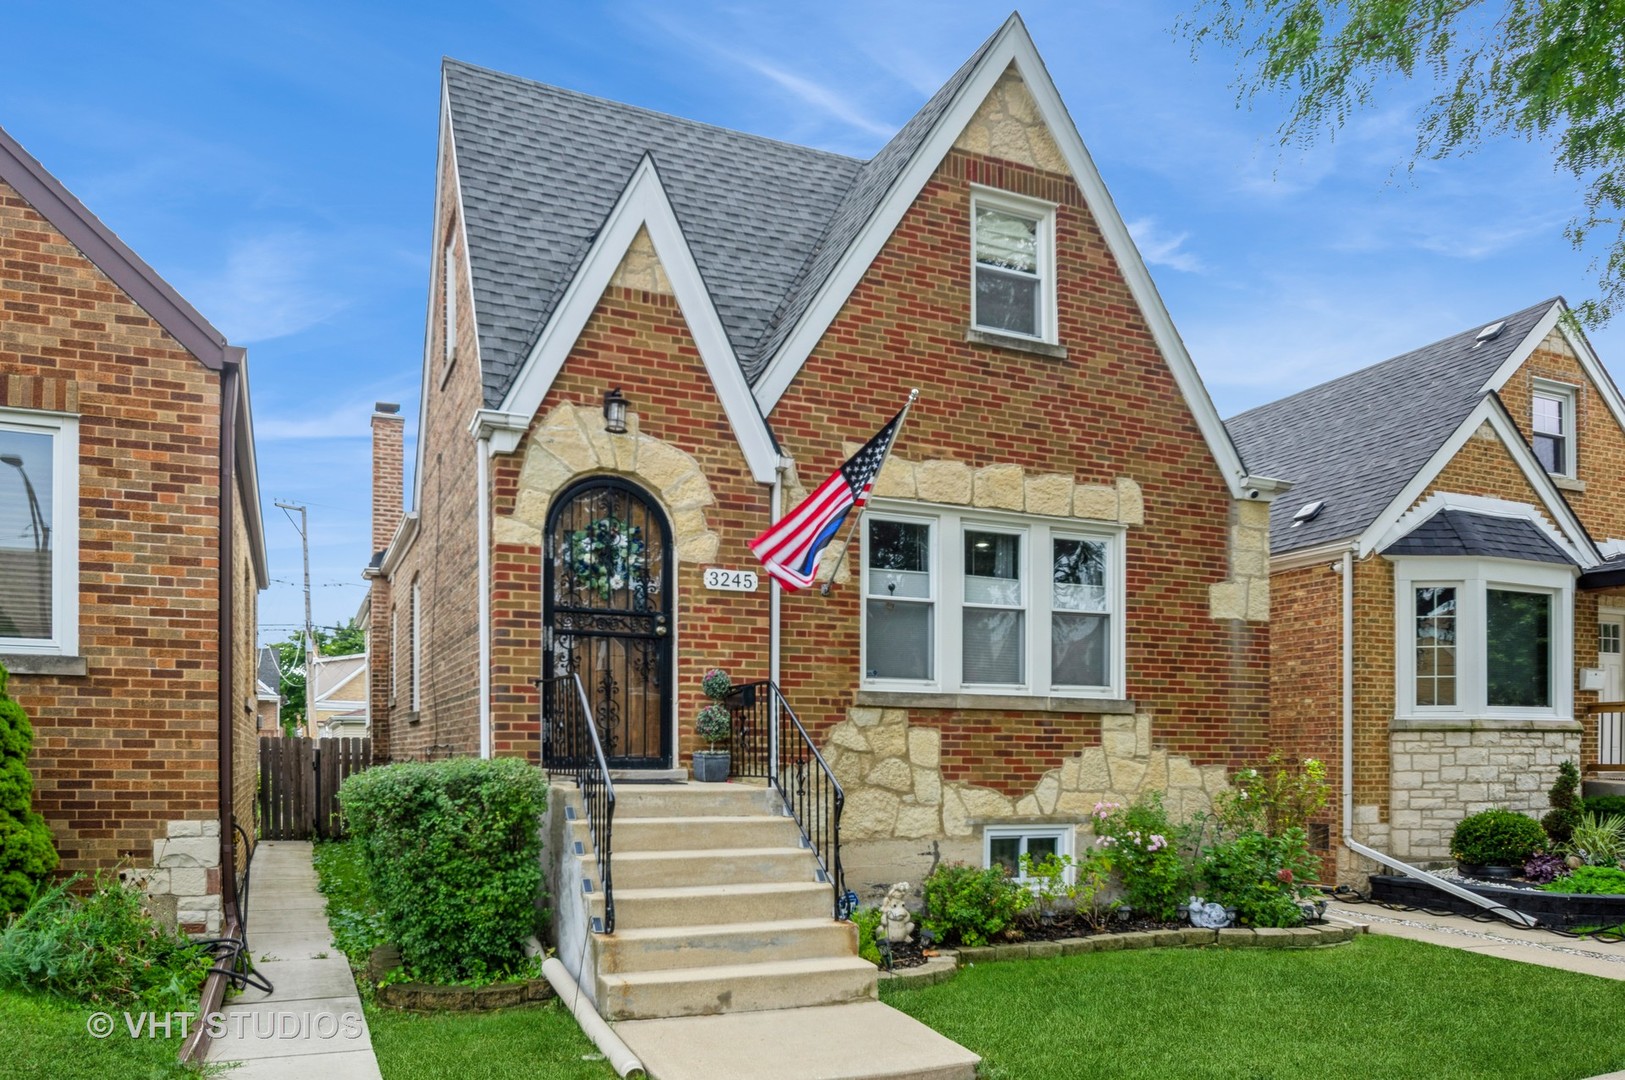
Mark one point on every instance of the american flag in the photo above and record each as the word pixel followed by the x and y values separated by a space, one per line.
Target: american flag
pixel 789 550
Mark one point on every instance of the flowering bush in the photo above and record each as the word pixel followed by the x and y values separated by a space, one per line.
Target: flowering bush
pixel 713 725
pixel 1142 846
pixel 1263 877
pixel 1282 794
pixel 716 684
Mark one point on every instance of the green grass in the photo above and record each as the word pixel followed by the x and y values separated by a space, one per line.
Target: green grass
pixel 46 1039
pixel 1375 1009
pixel 512 1044
pixel 354 916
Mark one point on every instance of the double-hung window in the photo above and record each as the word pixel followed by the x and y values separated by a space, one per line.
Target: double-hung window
pixel 1483 638
pixel 1552 423
pixel 1012 265
pixel 981 602
pixel 39 537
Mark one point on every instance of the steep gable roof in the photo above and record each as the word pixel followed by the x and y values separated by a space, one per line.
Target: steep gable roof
pixel 1354 443
pixel 540 168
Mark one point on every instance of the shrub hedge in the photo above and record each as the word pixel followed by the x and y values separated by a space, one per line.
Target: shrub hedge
pixel 454 852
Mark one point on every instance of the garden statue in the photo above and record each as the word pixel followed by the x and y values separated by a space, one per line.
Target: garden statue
pixel 894 919
pixel 1208 916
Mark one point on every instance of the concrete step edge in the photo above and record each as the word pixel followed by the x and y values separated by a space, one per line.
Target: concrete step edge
pixel 727 972
pixel 679 892
pixel 775 926
pixel 706 853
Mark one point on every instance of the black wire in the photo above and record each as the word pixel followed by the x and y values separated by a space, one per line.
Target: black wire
pixel 1346 895
pixel 231 954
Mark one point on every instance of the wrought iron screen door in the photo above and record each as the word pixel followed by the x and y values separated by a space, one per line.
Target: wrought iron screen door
pixel 606 611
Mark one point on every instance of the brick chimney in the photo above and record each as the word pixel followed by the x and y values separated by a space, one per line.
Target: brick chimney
pixel 387 498
pixel 387 490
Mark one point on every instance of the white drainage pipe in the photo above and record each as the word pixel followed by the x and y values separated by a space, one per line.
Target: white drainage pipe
pixel 620 1057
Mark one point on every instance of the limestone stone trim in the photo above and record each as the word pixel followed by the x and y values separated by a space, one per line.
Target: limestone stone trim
pixel 1245 594
pixel 183 884
pixel 570 441
pixel 1001 486
pixel 1008 125
pixel 640 267
pixel 891 772
pixel 1438 777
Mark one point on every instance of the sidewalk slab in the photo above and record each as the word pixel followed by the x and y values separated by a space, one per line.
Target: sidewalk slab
pixel 1602 959
pixel 862 1041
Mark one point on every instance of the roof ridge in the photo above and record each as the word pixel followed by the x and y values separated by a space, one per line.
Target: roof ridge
pixel 1372 367
pixel 451 61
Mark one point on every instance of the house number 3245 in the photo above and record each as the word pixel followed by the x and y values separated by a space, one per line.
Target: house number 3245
pixel 730 580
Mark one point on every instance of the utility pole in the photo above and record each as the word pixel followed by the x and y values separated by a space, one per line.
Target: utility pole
pixel 310 633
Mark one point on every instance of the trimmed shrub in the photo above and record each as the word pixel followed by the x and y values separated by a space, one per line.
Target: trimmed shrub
pixel 967 906
pixel 27 853
pixel 1564 798
pixel 1591 880
pixel 454 852
pixel 100 949
pixel 1497 838
pixel 1603 805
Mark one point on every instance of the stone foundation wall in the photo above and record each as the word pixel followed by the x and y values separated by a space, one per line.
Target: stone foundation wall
pixel 183 883
pixel 1440 777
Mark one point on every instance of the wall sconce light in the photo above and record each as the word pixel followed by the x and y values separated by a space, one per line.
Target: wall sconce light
pixel 614 412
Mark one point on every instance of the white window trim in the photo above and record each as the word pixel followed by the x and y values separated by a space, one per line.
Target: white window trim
pixel 448 280
pixel 1064 836
pixel 417 646
pixel 64 431
pixel 948 525
pixel 1045 213
pixel 1472 579
pixel 1569 396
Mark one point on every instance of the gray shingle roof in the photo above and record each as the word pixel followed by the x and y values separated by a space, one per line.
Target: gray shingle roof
pixel 269 674
pixel 1461 532
pixel 540 168
pixel 1354 442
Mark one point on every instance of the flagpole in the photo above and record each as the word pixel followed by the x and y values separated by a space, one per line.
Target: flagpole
pixel 913 396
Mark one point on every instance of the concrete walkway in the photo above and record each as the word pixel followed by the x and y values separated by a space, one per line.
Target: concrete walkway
pixel 1604 960
pixel 311 1024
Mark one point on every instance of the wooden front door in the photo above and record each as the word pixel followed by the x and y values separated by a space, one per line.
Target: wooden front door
pixel 606 599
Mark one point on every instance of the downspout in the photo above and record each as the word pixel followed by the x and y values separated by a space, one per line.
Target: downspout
pixel 230 377
pixel 482 458
pixel 1517 918
pixel 775 593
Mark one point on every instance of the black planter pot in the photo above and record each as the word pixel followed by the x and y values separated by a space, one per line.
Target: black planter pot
pixel 1488 873
pixel 711 766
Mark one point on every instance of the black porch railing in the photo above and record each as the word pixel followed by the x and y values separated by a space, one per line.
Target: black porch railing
pixel 571 747
pixel 761 717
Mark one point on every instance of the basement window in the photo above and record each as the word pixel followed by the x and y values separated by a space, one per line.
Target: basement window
pixel 1004 845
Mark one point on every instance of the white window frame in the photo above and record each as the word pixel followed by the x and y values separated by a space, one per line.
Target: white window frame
pixel 1024 605
pixel 63 429
pixel 1044 212
pixel 417 646
pixel 1065 837
pixel 948 526
pixel 1567 396
pixel 1473 579
pixel 448 285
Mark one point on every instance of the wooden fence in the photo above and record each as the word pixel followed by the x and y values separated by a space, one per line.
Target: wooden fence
pixel 299 785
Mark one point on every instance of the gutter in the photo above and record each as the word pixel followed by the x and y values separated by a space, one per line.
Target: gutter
pixel 230 374
pixel 1517 918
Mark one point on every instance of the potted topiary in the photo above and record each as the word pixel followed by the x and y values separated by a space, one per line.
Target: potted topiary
pixel 1495 843
pixel 714 724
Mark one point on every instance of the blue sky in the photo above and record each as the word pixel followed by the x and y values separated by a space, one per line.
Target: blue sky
pixel 275 163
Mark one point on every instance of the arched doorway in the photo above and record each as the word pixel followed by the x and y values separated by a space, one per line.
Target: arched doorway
pixel 606 611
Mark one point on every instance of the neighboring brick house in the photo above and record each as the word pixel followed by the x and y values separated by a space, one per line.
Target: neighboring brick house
pixel 1084 604
pixel 131 551
pixel 1470 493
pixel 339 707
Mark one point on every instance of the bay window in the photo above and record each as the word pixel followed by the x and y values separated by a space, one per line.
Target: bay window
pixel 39 543
pixel 1483 638
pixel 981 602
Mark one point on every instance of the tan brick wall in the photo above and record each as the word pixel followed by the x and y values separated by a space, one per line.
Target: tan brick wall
pixel 130 746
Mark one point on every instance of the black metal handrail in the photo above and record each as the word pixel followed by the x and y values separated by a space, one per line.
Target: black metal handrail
pixel 812 796
pixel 571 746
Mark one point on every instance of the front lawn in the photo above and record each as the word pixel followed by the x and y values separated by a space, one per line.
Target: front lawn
pixel 1376 1007
pixel 46 1039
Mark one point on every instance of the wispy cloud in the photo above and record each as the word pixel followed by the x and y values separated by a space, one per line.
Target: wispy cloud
pixel 350 420
pixel 1160 249
pixel 271 286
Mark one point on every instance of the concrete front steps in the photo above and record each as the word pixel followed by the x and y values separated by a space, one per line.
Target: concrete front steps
pixel 718 909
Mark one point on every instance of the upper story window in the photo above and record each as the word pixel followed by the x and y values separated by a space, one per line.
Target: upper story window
pixel 39 538
pixel 1483 638
pixel 1013 265
pixel 1552 421
pixel 978 602
pixel 448 285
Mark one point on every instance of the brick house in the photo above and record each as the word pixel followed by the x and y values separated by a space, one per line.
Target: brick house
pixel 131 551
pixel 1058 593
pixel 1441 574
